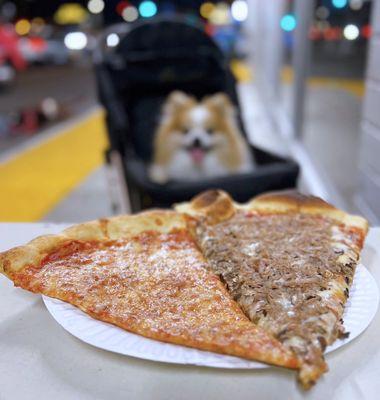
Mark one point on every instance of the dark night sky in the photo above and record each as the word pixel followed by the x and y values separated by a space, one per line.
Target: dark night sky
pixel 46 8
pixel 40 8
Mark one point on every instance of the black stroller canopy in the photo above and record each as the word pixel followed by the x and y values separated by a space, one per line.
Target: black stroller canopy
pixel 165 55
pixel 152 59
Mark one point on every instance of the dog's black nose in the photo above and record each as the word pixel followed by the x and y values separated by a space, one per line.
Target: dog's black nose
pixel 197 143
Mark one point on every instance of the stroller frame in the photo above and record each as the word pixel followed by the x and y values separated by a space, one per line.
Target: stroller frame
pixel 130 189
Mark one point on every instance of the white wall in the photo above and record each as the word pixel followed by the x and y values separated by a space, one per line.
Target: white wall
pixel 369 165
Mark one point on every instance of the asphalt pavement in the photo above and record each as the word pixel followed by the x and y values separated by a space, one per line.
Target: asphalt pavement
pixel 72 86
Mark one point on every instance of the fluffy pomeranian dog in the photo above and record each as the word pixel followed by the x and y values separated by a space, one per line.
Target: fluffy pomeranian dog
pixel 196 140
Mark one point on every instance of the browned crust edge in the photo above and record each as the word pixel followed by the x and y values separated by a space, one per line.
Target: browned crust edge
pixel 124 226
pixel 306 204
pixel 216 206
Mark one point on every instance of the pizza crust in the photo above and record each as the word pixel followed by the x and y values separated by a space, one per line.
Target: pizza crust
pixel 286 201
pixel 217 206
pixel 113 228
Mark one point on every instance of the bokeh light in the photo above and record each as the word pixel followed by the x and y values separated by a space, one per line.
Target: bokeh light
pixel 366 31
pixel 8 10
pixel 112 40
pixel 130 14
pixel 220 15
pixel 37 25
pixel 75 41
pixel 70 14
pixel 120 6
pixel 331 34
pixel 356 4
pixel 95 6
pixel 22 27
pixel 239 10
pixel 322 12
pixel 351 32
pixel 147 9
pixel 288 22
pixel 206 9
pixel 339 3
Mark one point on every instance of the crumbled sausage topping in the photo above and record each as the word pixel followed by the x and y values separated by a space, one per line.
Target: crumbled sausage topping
pixel 284 271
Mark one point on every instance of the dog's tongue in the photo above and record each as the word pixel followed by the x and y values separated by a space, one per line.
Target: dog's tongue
pixel 197 155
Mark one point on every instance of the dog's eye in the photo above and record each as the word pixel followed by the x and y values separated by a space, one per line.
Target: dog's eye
pixel 185 130
pixel 210 131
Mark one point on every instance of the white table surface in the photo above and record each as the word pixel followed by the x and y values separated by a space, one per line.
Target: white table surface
pixel 40 360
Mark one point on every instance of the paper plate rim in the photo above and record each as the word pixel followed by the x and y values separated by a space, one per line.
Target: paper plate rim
pixel 70 318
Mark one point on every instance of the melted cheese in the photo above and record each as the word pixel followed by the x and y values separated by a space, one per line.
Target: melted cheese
pixel 156 285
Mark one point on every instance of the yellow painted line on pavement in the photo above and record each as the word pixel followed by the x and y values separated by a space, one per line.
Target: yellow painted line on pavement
pixel 354 86
pixel 241 71
pixel 35 180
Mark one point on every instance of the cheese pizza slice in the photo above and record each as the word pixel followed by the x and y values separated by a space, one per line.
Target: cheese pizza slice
pixel 143 273
pixel 288 260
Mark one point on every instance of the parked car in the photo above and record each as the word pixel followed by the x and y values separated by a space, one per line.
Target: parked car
pixel 37 50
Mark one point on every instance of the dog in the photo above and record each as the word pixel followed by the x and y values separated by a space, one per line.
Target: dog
pixel 196 140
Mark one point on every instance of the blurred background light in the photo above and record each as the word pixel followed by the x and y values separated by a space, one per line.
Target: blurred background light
pixel 322 25
pixel 120 6
pixel 366 31
pixel 351 32
pixel 356 4
pixel 206 9
pixel 339 3
pixel 113 40
pixel 22 27
pixel 8 10
pixel 220 15
pixel 130 14
pixel 70 14
pixel 75 41
pixel 38 21
pixel 322 12
pixel 95 6
pixel 37 25
pixel 147 9
pixel 288 22
pixel 239 10
pixel 331 34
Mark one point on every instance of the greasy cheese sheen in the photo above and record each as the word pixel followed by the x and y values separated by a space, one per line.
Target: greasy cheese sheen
pixel 156 285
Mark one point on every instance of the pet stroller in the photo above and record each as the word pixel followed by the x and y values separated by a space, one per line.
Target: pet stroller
pixel 134 78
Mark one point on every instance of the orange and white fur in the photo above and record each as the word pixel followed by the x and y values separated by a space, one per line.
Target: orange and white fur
pixel 196 140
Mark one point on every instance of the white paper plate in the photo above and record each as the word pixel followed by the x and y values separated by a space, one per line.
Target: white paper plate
pixel 360 310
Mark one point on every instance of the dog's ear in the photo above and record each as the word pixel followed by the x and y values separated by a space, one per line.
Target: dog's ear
pixel 176 101
pixel 221 103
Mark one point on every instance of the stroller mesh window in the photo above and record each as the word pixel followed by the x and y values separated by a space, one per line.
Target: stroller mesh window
pixel 152 61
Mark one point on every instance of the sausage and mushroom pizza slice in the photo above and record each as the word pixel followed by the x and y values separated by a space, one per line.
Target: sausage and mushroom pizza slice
pixel 288 260
pixel 143 273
